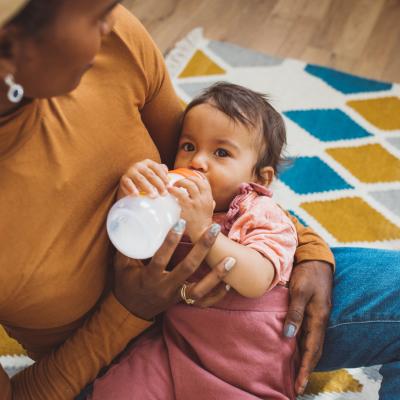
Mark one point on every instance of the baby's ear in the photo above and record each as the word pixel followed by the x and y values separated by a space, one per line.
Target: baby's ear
pixel 266 176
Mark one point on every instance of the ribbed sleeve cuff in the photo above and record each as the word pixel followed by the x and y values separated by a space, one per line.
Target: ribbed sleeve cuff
pixel 119 317
pixel 315 253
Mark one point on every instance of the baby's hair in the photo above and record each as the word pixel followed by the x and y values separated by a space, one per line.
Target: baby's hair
pixel 252 110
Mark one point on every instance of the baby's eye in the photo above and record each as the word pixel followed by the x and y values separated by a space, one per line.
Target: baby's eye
pixel 221 153
pixel 187 147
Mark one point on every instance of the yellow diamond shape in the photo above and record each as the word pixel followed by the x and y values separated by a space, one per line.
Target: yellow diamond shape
pixel 337 382
pixel 370 163
pixel 352 220
pixel 8 346
pixel 200 65
pixel 383 112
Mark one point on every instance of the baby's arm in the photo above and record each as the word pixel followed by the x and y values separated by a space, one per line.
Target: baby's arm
pixel 253 273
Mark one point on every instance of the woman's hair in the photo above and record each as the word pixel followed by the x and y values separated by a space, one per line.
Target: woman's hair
pixel 252 110
pixel 36 15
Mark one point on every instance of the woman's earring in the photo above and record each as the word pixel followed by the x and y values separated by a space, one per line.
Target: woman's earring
pixel 15 92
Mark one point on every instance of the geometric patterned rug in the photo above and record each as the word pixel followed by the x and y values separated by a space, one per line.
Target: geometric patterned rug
pixel 343 136
pixel 344 145
pixel 344 179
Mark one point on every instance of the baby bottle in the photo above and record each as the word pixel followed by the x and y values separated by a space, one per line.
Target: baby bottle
pixel 137 225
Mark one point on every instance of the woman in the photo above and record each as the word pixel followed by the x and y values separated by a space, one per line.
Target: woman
pixel 84 117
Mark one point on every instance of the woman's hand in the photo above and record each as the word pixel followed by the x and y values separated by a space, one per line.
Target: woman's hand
pixel 310 304
pixel 145 176
pixel 147 290
pixel 197 204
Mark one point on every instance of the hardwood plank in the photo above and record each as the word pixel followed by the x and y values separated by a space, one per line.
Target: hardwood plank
pixel 333 24
pixel 382 46
pixel 316 9
pixel 288 8
pixel 358 28
pixel 316 55
pixel 358 36
pixel 299 36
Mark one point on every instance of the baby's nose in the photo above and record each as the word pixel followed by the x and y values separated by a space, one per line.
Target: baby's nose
pixel 199 163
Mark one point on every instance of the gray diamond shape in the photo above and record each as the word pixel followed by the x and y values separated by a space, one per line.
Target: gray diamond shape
pixel 389 198
pixel 237 56
pixel 373 373
pixel 395 142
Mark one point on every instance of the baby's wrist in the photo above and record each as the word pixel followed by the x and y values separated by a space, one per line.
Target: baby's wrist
pixel 195 234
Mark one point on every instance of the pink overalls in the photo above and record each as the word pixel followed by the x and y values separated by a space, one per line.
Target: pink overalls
pixel 234 350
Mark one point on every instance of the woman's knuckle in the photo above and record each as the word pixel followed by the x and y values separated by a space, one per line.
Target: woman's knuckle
pixel 188 266
pixel 299 291
pixel 156 264
pixel 296 314
pixel 315 355
pixel 324 313
pixel 170 241
pixel 221 273
pixel 206 241
pixel 196 294
pixel 165 296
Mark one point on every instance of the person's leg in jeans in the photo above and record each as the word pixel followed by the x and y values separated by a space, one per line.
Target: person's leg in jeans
pixel 364 326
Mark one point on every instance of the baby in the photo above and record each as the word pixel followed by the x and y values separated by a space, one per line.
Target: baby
pixel 234 349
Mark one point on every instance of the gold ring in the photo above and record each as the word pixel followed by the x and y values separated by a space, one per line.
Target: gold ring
pixel 187 300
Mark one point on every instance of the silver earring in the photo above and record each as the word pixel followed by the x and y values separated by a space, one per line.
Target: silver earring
pixel 15 92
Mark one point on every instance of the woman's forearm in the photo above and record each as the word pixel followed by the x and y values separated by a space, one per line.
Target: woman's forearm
pixel 63 373
pixel 253 273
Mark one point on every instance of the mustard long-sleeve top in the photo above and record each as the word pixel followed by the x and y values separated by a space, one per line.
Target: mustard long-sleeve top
pixel 60 163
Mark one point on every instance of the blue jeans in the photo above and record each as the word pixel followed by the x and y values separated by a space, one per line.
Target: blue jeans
pixel 364 326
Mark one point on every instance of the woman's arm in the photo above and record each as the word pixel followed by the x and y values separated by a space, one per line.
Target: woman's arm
pixel 63 373
pixel 162 118
pixel 154 96
pixel 253 273
pixel 161 110
pixel 311 246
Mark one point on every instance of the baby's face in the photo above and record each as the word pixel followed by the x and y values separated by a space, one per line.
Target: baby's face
pixel 220 148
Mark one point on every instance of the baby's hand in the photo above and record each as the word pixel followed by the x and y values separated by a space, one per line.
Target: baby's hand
pixel 197 204
pixel 145 176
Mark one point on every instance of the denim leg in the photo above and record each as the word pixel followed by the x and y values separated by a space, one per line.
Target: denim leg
pixel 364 326
pixel 390 390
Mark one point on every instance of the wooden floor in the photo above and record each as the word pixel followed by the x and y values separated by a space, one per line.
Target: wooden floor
pixel 358 36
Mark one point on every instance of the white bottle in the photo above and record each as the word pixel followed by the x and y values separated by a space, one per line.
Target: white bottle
pixel 137 225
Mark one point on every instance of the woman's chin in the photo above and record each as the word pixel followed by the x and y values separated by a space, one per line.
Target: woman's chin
pixel 47 93
pixel 74 83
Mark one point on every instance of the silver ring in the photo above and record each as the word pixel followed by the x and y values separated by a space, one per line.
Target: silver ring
pixel 186 299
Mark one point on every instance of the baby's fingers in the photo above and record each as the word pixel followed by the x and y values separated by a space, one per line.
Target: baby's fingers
pixel 158 176
pixel 180 194
pixel 161 170
pixel 127 187
pixel 148 182
pixel 149 177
